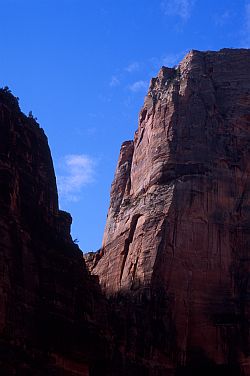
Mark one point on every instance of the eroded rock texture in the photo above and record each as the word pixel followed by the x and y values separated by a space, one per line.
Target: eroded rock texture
pixel 176 248
pixel 52 315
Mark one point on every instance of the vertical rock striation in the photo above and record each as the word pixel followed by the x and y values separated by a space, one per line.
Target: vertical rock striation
pixel 175 260
pixel 176 248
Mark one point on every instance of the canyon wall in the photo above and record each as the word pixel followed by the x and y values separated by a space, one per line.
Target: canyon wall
pixel 168 294
pixel 176 248
pixel 52 313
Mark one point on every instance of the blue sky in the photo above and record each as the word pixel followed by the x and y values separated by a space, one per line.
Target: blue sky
pixel 83 68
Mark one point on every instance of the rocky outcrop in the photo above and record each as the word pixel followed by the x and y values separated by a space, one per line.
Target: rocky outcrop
pixel 175 260
pixel 53 318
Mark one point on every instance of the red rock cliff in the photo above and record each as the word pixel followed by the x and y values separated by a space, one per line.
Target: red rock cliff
pixel 177 239
pixel 52 315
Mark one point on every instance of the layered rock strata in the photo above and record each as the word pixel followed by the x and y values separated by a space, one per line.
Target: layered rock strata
pixel 176 248
pixel 52 314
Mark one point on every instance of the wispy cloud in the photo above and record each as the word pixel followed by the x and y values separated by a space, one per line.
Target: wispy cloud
pixel 138 85
pixel 114 81
pixel 132 67
pixel 172 59
pixel 144 70
pixel 168 60
pixel 223 18
pixel 180 8
pixel 77 172
pixel 246 27
pixel 119 78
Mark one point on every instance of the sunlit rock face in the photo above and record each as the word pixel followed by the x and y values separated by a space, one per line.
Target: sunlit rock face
pixel 175 260
pixel 176 248
pixel 51 310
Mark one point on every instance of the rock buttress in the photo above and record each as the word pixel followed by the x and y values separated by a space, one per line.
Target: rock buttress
pixel 176 248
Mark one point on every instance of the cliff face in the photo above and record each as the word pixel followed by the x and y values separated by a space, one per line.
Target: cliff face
pixel 177 238
pixel 51 310
pixel 175 262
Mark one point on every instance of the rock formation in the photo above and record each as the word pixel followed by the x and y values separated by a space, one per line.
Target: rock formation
pixel 175 261
pixel 52 314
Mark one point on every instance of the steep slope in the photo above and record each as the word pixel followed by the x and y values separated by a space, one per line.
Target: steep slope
pixel 176 250
pixel 52 314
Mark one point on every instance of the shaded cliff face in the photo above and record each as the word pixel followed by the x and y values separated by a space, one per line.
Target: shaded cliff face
pixel 177 238
pixel 51 310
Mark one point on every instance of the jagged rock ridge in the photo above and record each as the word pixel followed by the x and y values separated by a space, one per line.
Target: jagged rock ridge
pixel 176 250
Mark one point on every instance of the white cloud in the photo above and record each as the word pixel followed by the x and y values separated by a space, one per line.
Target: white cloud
pixel 138 85
pixel 132 67
pixel 114 81
pixel 180 8
pixel 77 172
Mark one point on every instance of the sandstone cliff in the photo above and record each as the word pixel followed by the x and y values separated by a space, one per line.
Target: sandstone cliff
pixel 174 264
pixel 52 314
pixel 176 248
